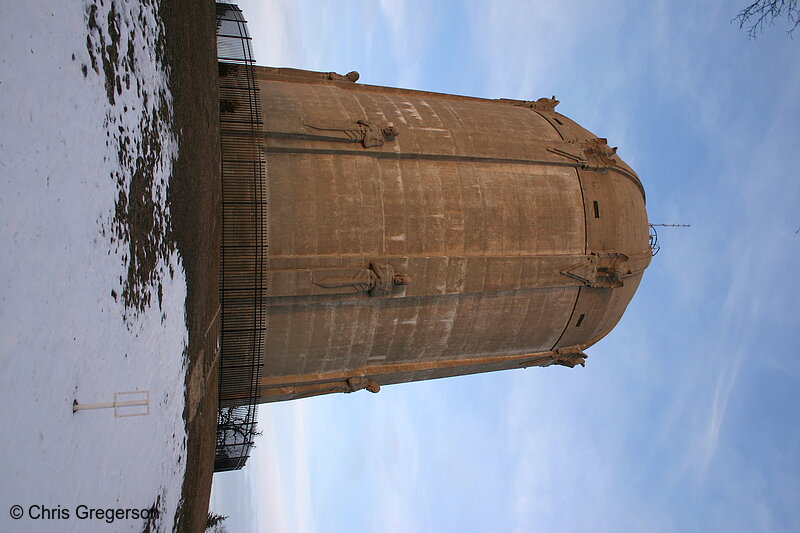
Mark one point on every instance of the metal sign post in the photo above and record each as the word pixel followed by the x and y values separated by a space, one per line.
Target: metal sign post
pixel 124 404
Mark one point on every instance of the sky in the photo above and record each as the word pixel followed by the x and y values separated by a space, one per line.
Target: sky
pixel 683 418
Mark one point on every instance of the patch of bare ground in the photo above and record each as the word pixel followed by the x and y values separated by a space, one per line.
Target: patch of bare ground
pixel 194 203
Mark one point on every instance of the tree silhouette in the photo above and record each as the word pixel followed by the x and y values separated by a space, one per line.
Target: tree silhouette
pixel 763 13
pixel 214 523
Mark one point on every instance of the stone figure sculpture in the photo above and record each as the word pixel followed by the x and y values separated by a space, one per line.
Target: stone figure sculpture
pixel 347 386
pixel 363 280
pixel 600 270
pixel 377 280
pixel 595 154
pixel 356 384
pixel 542 104
pixel 569 357
pixel 351 76
pixel 570 360
pixel 598 155
pixel 364 132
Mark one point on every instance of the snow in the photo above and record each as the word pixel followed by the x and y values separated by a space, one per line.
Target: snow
pixel 66 331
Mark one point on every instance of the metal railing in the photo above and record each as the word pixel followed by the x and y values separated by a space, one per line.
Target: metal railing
pixel 244 242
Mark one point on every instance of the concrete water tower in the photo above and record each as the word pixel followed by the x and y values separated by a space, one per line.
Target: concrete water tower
pixel 415 235
pixel 374 235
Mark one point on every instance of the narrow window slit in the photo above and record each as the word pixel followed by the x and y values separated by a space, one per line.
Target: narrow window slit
pixel 580 320
pixel 596 209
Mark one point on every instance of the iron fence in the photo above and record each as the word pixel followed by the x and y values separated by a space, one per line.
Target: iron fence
pixel 244 242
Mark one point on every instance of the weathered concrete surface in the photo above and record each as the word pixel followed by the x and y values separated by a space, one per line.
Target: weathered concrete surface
pixel 418 235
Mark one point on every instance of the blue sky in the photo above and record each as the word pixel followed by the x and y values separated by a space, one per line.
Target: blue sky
pixel 684 417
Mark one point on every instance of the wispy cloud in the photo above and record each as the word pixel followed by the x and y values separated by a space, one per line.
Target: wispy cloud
pixel 640 439
pixel 714 278
pixel 280 481
pixel 279 40
pixel 408 38
pixel 395 459
pixel 531 47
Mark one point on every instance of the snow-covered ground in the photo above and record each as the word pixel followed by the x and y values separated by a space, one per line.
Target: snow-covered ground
pixel 88 306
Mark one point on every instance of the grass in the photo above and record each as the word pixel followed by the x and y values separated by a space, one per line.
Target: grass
pixel 194 203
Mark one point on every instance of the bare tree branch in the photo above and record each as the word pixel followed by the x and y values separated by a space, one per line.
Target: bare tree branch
pixel 763 13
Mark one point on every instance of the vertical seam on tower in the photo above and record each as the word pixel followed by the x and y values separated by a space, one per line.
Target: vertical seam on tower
pixel 569 320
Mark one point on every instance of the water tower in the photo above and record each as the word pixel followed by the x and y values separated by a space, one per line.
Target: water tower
pixel 376 235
